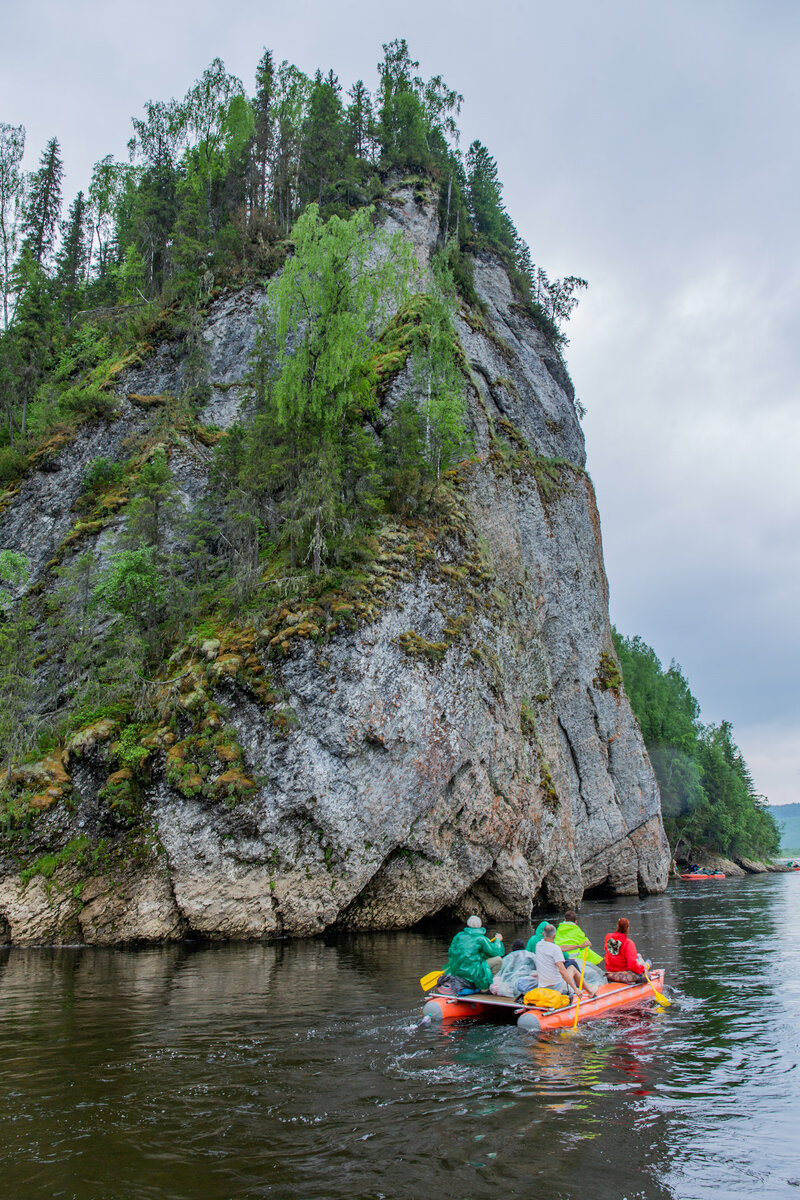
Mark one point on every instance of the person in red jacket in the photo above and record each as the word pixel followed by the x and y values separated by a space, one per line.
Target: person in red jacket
pixel 623 964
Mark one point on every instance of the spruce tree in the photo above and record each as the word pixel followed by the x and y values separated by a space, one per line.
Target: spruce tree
pixel 324 139
pixel 43 205
pixel 263 130
pixel 72 257
pixel 360 121
pixel 486 207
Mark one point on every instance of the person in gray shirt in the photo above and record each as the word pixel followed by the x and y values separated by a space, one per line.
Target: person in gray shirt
pixel 551 969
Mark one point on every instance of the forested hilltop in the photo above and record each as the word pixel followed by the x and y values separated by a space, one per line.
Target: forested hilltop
pixel 292 475
pixel 221 188
pixel 708 796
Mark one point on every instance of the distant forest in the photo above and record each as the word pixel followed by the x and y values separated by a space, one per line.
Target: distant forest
pixel 787 818
pixel 708 796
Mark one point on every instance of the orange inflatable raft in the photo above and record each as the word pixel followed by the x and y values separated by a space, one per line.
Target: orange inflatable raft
pixel 483 1004
pixel 700 875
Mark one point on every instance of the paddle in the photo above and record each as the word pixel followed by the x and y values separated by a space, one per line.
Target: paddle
pixel 428 981
pixel 580 990
pixel 660 997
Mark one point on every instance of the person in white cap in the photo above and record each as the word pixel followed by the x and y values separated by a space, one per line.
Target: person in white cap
pixel 473 957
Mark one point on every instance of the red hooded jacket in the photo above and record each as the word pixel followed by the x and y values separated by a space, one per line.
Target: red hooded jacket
pixel 621 954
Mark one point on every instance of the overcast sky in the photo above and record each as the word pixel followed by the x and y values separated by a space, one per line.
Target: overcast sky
pixel 652 149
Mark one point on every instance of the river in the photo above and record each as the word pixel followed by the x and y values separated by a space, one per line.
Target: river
pixel 297 1069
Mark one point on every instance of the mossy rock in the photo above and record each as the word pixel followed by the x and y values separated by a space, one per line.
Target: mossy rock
pixel 193 701
pixel 50 770
pixel 46 799
pixel 87 738
pixel 234 780
pixel 228 753
pixel 125 774
pixel 608 677
pixel 412 644
pixel 227 665
pixel 159 739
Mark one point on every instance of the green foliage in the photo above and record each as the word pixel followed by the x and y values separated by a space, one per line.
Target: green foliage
pixel 329 295
pixel 608 677
pixel 132 585
pixel 128 750
pixel 153 503
pixel 487 210
pixel 75 852
pixel 707 793
pixel 102 473
pixel 307 470
pixel 527 719
pixel 86 402
pixel 14 568
pixel 13 463
pixel 19 720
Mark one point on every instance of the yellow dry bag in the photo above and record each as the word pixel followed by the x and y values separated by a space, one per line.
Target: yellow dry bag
pixel 542 997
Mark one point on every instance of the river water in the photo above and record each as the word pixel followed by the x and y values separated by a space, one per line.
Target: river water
pixel 298 1069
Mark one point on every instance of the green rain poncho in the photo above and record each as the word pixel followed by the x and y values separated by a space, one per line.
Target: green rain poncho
pixel 536 937
pixel 467 957
pixel 570 934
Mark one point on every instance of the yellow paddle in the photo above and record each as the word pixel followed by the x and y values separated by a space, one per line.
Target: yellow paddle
pixel 580 990
pixel 428 981
pixel 660 997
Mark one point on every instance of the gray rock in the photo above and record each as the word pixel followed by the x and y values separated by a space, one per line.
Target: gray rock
pixel 505 773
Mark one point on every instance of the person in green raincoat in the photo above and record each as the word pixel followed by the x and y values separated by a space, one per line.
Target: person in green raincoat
pixel 536 937
pixel 473 957
pixel 573 941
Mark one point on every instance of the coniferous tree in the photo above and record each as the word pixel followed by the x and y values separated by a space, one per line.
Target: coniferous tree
pixel 402 128
pixel 26 350
pixel 263 130
pixel 72 257
pixel 324 138
pixel 360 121
pixel 43 205
pixel 486 207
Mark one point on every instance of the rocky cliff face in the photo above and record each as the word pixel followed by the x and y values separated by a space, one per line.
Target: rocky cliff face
pixel 458 741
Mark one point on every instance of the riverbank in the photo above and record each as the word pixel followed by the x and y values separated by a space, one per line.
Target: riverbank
pixel 736 867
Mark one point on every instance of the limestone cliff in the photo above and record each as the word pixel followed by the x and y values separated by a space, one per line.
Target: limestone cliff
pixel 455 740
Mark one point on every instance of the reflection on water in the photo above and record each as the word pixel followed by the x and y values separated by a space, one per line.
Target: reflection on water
pixel 297 1069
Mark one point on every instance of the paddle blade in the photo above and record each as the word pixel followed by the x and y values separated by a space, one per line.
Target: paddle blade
pixel 428 981
pixel 660 997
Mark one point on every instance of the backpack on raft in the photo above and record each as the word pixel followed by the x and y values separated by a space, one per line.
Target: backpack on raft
pixel 453 985
pixel 542 997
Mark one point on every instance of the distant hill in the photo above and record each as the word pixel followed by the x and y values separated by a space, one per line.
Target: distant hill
pixel 788 818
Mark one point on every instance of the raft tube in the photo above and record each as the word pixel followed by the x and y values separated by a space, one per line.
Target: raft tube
pixel 609 996
pixel 700 875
